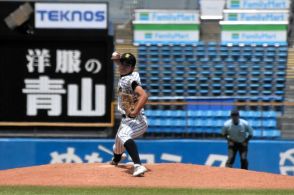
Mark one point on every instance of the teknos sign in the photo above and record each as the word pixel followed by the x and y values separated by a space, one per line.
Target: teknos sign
pixel 71 15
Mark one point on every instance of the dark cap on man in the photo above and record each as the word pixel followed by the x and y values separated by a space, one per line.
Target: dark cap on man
pixel 128 59
pixel 235 112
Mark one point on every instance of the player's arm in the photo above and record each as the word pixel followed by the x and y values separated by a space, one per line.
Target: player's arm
pixel 224 131
pixel 250 132
pixel 141 101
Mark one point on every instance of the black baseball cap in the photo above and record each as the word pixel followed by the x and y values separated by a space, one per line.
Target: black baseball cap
pixel 235 112
pixel 128 59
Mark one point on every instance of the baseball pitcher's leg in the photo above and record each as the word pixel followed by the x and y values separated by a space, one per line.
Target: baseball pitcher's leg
pixel 131 147
pixel 118 152
pixel 130 130
pixel 118 158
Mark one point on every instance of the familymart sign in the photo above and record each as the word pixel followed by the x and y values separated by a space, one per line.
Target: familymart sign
pixel 259 32
pixel 166 26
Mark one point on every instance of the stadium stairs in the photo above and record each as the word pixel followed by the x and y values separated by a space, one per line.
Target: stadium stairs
pixel 286 121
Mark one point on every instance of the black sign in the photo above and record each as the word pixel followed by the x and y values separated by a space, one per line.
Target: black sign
pixel 53 77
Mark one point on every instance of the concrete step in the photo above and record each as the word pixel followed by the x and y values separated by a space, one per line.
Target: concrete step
pixel 288 113
pixel 286 120
pixel 210 30
pixel 289 88
pixel 289 98
pixel 289 134
pixel 289 92
pixel 286 127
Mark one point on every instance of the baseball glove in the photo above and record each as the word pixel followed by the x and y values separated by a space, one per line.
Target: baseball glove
pixel 128 102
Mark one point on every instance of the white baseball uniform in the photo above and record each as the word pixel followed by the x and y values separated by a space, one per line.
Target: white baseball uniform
pixel 130 128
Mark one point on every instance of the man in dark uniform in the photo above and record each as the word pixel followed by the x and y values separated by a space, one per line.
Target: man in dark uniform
pixel 238 132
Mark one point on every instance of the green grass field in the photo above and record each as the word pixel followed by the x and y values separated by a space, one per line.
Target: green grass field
pixel 128 191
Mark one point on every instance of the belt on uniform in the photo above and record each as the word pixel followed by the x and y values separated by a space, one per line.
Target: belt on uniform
pixel 125 116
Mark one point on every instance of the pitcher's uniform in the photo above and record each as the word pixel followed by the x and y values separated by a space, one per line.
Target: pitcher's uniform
pixel 130 128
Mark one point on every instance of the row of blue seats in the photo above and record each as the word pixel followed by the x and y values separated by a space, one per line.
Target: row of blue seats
pixel 216 73
pixel 274 133
pixel 212 59
pixel 236 48
pixel 204 89
pixel 209 113
pixel 266 88
pixel 217 92
pixel 247 54
pixel 219 83
pixel 220 64
pixel 211 49
pixel 192 83
pixel 241 78
pixel 206 122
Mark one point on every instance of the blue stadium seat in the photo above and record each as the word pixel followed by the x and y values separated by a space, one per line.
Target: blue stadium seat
pixel 255 73
pixel 270 123
pixel 280 79
pixel 254 93
pixel 271 133
pixel 266 92
pixel 216 79
pixel 229 79
pixel 280 73
pixel 166 60
pixel 204 92
pixel 216 92
pixel 242 81
pixel 257 133
pixel 241 92
pixel 218 66
pixel 218 73
pixel 154 60
pixel 229 92
pixel 216 59
pixel 192 113
pixel 270 114
pixel 279 92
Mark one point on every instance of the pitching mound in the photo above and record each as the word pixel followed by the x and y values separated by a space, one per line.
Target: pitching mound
pixel 166 175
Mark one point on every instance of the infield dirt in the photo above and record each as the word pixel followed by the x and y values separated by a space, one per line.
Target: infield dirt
pixel 165 175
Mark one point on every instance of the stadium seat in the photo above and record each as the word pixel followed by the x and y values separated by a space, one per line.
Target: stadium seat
pixel 271 133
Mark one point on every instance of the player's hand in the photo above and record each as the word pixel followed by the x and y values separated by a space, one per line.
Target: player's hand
pixel 133 114
pixel 245 143
pixel 231 143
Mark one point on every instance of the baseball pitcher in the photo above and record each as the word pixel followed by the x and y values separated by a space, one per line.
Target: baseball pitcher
pixel 131 100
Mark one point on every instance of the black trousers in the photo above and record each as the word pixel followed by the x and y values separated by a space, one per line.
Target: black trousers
pixel 233 148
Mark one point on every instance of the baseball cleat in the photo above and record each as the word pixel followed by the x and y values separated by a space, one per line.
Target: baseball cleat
pixel 139 170
pixel 123 157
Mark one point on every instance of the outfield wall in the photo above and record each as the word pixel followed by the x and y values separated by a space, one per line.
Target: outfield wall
pixel 264 155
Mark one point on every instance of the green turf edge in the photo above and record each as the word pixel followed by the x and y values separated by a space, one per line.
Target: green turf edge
pixel 31 190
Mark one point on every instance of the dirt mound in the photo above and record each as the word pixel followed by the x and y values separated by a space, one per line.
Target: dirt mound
pixel 166 175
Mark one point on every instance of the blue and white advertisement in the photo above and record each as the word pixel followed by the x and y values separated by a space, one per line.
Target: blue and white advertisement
pixel 258 4
pixel 256 15
pixel 263 155
pixel 165 37
pixel 254 36
pixel 166 26
pixel 167 16
pixel 71 15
